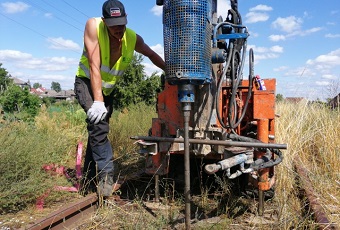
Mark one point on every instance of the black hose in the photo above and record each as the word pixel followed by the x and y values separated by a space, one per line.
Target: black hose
pixel 270 163
pixel 219 87
pixel 250 87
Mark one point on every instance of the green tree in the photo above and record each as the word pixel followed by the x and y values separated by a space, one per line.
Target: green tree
pixel 135 86
pixel 279 97
pixel 37 85
pixel 5 79
pixel 21 102
pixel 149 88
pixel 56 86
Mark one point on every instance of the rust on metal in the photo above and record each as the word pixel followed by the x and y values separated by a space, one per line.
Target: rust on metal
pixel 68 215
pixel 318 211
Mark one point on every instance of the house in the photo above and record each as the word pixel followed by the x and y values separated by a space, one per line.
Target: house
pixel 42 92
pixel 21 83
pixel 334 103
pixel 294 99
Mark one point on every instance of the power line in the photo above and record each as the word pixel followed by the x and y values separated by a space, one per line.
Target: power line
pixel 44 10
pixel 76 9
pixel 29 28
pixel 62 12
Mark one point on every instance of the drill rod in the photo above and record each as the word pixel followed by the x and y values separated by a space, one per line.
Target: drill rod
pixel 212 142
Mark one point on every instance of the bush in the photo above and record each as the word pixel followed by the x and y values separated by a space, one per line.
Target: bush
pixel 52 139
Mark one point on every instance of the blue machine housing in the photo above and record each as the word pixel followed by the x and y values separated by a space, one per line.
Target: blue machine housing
pixel 187 41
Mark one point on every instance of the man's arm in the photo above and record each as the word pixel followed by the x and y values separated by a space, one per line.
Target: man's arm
pixel 92 46
pixel 144 49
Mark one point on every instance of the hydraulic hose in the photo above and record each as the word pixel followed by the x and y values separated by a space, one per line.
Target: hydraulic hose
pixel 219 87
pixel 250 88
pixel 232 122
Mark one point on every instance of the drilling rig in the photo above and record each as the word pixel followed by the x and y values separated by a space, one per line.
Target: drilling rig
pixel 207 108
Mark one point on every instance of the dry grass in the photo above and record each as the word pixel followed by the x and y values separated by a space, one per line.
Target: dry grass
pixel 312 133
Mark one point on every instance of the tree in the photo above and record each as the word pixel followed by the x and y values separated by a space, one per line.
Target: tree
pixel 37 85
pixel 135 86
pixel 149 88
pixel 5 79
pixel 279 97
pixel 20 101
pixel 56 86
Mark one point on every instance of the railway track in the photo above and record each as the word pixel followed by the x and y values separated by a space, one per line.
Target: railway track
pixel 68 216
pixel 73 215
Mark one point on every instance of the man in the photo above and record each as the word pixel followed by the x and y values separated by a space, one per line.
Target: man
pixel 108 49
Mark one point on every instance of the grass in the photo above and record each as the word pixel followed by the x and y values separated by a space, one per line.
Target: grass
pixel 311 131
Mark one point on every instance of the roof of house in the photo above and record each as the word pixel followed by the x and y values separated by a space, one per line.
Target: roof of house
pixel 18 81
pixel 294 99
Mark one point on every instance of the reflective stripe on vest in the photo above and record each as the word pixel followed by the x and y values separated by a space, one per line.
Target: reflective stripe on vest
pixel 109 76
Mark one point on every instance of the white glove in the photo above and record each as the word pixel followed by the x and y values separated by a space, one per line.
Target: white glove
pixel 97 112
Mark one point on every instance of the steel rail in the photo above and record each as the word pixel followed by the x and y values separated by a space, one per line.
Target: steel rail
pixel 72 214
pixel 67 216
pixel 318 211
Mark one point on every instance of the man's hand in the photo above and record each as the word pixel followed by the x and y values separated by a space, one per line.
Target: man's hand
pixel 97 112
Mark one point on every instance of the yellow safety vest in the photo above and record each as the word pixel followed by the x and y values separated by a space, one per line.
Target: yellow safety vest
pixel 109 76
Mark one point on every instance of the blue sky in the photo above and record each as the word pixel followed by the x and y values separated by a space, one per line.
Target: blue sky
pixel 296 42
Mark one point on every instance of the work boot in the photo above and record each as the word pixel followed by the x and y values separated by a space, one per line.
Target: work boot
pixel 105 186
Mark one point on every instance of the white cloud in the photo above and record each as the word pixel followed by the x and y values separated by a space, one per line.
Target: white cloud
pixel 264 56
pixel 329 77
pixel 253 17
pixel 258 14
pixel 332 35
pixel 288 24
pixel 281 68
pixel 261 8
pixel 253 34
pixel 43 69
pixel 62 44
pixel 277 49
pixel 222 8
pixel 276 37
pixel 48 15
pixel 12 55
pixel 326 60
pixel 48 64
pixel 159 49
pixel 263 53
pixel 310 31
pixel 292 27
pixel 27 61
pixel 14 7
pixel 331 23
pixel 322 83
pixel 274 49
pixel 157 10
pixel 300 72
pixel 151 68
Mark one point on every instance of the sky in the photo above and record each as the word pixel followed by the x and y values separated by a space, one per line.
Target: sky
pixel 296 42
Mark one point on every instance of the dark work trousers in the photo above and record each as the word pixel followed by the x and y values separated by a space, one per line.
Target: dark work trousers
pixel 99 155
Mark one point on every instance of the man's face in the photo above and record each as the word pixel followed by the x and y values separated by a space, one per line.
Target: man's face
pixel 116 31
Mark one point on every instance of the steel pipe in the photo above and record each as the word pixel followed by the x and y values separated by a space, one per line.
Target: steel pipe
pixel 212 142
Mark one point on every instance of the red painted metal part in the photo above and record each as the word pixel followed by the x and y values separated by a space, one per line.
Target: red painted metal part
pixel 262 135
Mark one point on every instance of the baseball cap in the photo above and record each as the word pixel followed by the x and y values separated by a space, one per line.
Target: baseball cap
pixel 114 13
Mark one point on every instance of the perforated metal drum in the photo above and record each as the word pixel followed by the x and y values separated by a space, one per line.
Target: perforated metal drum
pixel 187 41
